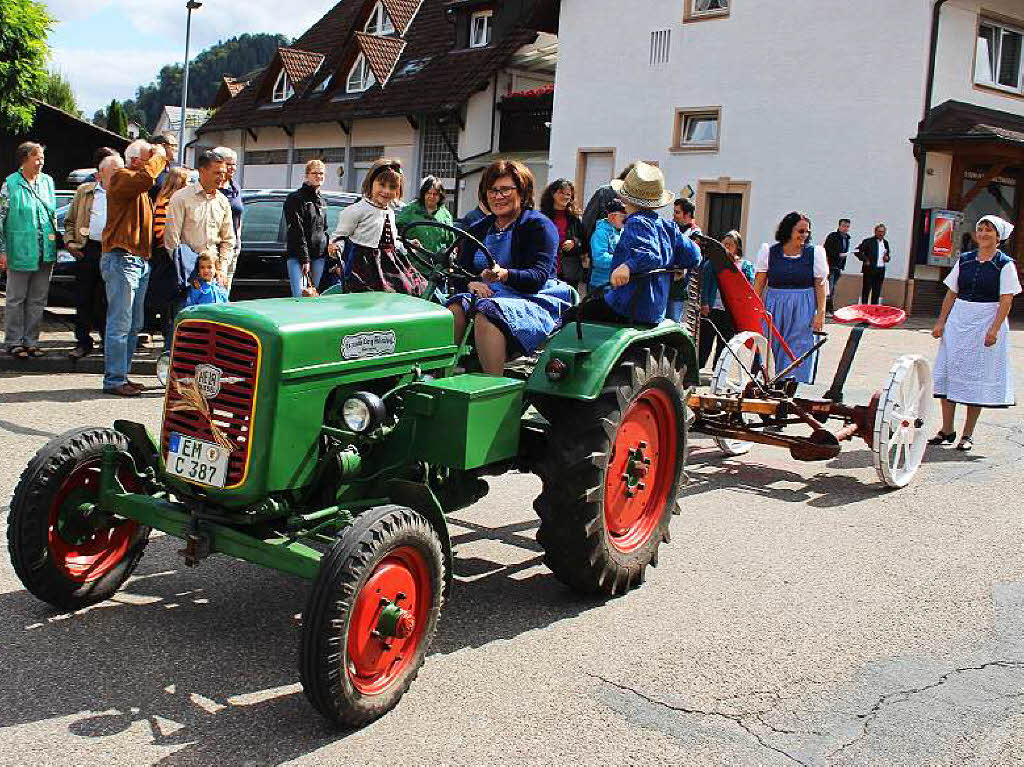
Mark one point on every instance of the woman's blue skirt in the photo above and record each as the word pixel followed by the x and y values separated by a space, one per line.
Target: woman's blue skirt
pixel 526 320
pixel 792 311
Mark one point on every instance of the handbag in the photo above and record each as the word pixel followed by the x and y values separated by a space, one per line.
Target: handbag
pixel 308 289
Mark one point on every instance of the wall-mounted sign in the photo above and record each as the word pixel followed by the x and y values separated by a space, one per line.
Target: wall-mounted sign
pixel 943 225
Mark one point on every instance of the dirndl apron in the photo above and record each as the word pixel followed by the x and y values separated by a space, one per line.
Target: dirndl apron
pixel 968 372
pixel 383 269
pixel 791 301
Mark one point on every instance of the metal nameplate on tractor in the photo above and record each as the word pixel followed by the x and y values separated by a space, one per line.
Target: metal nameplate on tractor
pixel 203 463
pixel 371 344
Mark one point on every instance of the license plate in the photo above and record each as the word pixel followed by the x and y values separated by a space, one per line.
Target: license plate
pixel 203 463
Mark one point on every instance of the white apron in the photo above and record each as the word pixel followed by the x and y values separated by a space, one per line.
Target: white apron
pixel 967 371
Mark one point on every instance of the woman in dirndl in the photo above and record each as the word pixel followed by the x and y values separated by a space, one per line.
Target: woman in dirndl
pixel 372 260
pixel 517 302
pixel 792 279
pixel 973 364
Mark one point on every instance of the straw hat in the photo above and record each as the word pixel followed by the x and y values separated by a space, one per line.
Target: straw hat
pixel 644 187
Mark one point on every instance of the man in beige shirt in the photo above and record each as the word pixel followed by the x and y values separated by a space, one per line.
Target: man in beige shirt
pixel 200 216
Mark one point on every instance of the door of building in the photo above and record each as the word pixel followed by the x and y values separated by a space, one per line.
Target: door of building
pixel 725 213
pixel 594 170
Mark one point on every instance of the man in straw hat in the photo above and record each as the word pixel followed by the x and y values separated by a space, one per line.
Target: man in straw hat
pixel 648 242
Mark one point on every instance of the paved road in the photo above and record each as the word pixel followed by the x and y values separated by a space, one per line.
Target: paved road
pixel 800 615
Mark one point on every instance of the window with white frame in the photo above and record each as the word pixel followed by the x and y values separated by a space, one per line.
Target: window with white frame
pixel 997 61
pixel 324 84
pixel 696 129
pixel 282 88
pixel 379 22
pixel 705 9
pixel 480 29
pixel 360 77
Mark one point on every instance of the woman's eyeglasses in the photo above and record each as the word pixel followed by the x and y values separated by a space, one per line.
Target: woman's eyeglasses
pixel 501 191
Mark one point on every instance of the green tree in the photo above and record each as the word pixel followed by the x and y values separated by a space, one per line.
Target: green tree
pixel 24 27
pixel 116 121
pixel 57 92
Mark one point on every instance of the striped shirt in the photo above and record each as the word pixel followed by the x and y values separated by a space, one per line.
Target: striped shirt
pixel 160 219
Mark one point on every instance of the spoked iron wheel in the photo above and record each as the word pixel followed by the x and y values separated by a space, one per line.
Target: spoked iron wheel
pixel 65 549
pixel 900 418
pixel 747 353
pixel 611 474
pixel 371 615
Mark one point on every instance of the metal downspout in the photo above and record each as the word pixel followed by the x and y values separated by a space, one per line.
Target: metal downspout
pixel 922 155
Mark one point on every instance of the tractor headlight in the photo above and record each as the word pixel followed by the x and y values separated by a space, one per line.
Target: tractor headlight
pixel 363 412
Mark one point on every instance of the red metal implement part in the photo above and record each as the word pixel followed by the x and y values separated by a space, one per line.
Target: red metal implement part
pixel 875 315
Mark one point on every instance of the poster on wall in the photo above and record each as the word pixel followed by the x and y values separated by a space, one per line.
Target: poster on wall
pixel 943 248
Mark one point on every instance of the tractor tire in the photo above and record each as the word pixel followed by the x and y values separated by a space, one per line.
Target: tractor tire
pixel 355 663
pixel 612 475
pixel 60 556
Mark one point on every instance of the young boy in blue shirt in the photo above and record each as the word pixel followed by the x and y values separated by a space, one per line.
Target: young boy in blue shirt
pixel 648 242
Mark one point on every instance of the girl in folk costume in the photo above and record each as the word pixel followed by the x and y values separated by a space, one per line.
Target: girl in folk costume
pixel 371 260
pixel 973 364
pixel 791 276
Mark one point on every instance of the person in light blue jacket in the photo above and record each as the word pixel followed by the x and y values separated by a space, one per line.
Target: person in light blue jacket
pixel 602 243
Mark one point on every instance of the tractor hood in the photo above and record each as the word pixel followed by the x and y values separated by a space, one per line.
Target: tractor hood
pixel 342 333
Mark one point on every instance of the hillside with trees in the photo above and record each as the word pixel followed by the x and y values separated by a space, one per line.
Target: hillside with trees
pixel 236 57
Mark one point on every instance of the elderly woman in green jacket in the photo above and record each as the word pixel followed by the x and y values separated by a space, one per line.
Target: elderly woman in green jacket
pixel 429 206
pixel 28 248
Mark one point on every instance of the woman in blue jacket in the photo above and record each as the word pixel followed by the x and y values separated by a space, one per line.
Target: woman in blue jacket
pixel 517 302
pixel 711 305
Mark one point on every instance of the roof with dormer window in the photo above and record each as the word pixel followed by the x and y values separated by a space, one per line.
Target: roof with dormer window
pixel 418 70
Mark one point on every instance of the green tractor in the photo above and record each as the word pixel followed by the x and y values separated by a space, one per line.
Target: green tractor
pixel 330 437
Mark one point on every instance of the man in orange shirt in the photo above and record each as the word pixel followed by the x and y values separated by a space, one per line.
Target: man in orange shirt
pixel 124 265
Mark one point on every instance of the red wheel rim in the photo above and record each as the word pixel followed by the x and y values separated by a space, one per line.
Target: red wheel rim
pixel 86 556
pixel 641 470
pixel 376 656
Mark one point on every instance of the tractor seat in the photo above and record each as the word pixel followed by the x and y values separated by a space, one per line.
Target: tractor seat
pixel 875 315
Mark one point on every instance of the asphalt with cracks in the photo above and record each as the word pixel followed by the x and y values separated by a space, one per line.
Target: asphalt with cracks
pixel 800 615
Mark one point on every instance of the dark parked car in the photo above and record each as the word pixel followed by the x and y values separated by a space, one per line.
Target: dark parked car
pixel 261 271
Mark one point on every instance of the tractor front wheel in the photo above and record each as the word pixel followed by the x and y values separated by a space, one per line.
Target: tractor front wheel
pixel 65 549
pixel 612 473
pixel 371 615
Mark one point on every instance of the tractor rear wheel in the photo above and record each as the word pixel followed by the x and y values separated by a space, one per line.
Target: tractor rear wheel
pixel 612 474
pixel 371 615
pixel 64 549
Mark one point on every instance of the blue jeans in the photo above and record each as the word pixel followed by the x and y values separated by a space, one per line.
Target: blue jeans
pixel 126 278
pixel 676 309
pixel 316 271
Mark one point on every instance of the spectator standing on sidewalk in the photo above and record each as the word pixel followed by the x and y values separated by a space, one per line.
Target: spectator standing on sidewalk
pixel 170 144
pixel 874 253
pixel 234 195
pixel 683 211
pixel 558 203
pixel 305 216
pixel 837 246
pixel 163 296
pixel 124 265
pixel 28 248
pixel 83 236
pixel 199 216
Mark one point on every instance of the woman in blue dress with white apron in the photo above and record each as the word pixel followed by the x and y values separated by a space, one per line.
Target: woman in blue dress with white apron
pixel 792 279
pixel 518 302
pixel 973 364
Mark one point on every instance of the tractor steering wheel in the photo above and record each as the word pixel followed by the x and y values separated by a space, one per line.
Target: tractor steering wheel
pixel 444 262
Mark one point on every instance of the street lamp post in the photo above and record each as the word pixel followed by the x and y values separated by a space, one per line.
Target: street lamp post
pixel 191 5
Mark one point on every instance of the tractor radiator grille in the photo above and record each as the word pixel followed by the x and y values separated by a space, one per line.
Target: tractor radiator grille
pixel 217 404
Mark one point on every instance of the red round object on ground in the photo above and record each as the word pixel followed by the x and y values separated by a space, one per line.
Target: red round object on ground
pixel 875 315
pixel 85 555
pixel 641 470
pixel 375 660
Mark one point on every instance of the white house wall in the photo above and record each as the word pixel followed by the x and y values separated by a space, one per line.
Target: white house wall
pixel 819 100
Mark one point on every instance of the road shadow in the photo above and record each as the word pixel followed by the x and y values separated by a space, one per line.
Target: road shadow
pixel 710 469
pixel 206 660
